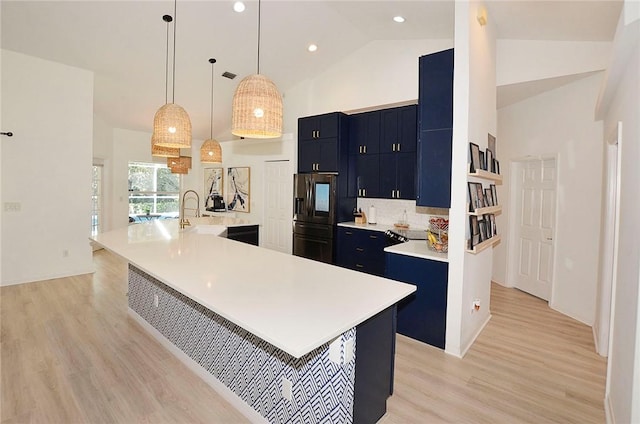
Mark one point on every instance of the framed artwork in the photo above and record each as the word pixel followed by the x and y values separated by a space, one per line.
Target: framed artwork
pixel 494 230
pixel 483 163
pixel 238 197
pixel 476 164
pixel 483 229
pixel 489 165
pixel 481 202
pixel 488 196
pixel 494 194
pixel 213 183
pixel 473 197
pixel 491 142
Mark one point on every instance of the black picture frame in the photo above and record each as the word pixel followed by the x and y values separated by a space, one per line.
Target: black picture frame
pixel 473 197
pixel 489 160
pixel 483 229
pixel 488 196
pixel 480 194
pixel 494 230
pixel 494 194
pixel 474 151
pixel 474 231
pixel 497 166
pixel 483 162
pixel 491 142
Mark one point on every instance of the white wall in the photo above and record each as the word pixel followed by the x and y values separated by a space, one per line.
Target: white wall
pixel 103 152
pixel 46 169
pixel 530 60
pixel 623 374
pixel 474 117
pixel 560 123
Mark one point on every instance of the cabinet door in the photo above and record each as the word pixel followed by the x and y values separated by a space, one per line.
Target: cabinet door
pixel 406 175
pixel 327 160
pixel 368 179
pixel 408 128
pixel 357 132
pixel 435 92
pixel 308 154
pixel 387 175
pixel 423 315
pixel 390 130
pixel 328 126
pixel 307 127
pixel 346 245
pixel 434 169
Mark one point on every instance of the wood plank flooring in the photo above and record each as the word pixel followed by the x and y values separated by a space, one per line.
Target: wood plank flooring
pixel 70 354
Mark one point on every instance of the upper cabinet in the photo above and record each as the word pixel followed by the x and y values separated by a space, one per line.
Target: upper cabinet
pixel 322 143
pixel 435 128
pixel 399 129
pixel 364 133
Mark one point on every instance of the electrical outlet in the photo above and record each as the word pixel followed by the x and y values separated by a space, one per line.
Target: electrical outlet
pixel 475 305
pixel 287 387
pixel 155 300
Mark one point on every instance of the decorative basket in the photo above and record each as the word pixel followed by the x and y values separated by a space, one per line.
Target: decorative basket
pixel 438 235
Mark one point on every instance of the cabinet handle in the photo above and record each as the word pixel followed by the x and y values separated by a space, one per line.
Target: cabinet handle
pixel 393 147
pixel 359 266
pixel 373 237
pixel 365 149
pixel 359 249
pixel 397 194
pixel 364 192
pixel 398 148
pixel 348 233
pixel 393 194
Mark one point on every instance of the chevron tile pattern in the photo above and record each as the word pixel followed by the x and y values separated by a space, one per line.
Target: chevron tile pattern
pixel 323 391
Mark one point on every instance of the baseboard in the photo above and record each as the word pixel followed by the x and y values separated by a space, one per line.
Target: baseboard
pixel 88 270
pixel 608 410
pixel 242 407
pixel 475 336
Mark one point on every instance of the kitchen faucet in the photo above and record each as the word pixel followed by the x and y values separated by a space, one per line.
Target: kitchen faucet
pixel 183 220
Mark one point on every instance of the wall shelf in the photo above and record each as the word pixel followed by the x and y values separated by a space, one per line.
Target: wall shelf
pixel 481 173
pixel 482 211
pixel 485 244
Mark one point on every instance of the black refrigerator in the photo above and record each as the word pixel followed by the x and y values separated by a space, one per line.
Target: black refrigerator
pixel 319 203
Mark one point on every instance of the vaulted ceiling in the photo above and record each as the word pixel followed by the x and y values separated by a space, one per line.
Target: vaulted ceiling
pixel 124 42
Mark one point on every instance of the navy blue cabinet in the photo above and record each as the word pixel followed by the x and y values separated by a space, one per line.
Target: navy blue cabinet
pixel 398 153
pixel 368 175
pixel 361 250
pixel 399 129
pixel 435 123
pixel 423 315
pixel 364 133
pixel 322 140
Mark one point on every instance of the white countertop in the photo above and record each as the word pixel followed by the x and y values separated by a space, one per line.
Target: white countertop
pixel 294 303
pixel 416 248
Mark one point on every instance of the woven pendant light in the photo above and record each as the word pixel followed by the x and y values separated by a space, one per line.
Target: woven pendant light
pixel 164 152
pixel 179 165
pixel 210 151
pixel 171 123
pixel 257 105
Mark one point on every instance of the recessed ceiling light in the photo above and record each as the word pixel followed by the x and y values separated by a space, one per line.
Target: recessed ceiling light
pixel 312 47
pixel 398 19
pixel 238 6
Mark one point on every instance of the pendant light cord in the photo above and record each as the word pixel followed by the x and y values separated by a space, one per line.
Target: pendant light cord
pixel 258 37
pixel 211 61
pixel 175 9
pixel 166 63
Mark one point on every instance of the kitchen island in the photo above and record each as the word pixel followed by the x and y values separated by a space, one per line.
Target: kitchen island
pixel 293 338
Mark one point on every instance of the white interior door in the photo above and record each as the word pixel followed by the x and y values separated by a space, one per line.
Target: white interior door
pixel 535 210
pixel 277 232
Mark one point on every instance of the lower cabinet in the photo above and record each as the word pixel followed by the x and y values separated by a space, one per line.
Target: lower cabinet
pixel 361 250
pixel 423 315
pixel 246 234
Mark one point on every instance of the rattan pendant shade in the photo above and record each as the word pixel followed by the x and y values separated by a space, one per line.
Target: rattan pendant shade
pixel 171 127
pixel 257 104
pixel 163 152
pixel 180 165
pixel 257 108
pixel 211 152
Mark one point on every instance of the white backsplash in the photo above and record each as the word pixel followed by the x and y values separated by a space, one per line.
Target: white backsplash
pixel 389 211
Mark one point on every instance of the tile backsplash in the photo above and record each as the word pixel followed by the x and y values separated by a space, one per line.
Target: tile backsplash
pixel 390 211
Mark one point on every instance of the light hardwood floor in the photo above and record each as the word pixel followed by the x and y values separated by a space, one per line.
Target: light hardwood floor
pixel 70 354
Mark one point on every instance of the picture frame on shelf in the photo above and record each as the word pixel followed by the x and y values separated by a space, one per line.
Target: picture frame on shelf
pixel 480 194
pixel 483 229
pixel 483 162
pixel 494 194
pixel 497 167
pixel 492 220
pixel 474 150
pixel 489 166
pixel 474 231
pixel 489 196
pixel 491 142
pixel 473 196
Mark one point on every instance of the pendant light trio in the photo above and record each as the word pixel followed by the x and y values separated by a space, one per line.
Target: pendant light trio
pixel 256 113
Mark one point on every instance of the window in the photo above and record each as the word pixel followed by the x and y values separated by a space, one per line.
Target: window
pixel 96 200
pixel 153 190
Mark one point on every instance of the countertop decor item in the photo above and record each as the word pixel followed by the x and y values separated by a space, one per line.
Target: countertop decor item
pixel 171 123
pixel 257 104
pixel 210 151
pixel 438 234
